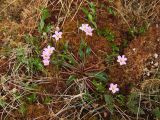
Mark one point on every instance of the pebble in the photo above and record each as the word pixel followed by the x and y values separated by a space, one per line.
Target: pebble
pixel 156 55
pixel 145 69
pixel 157 25
pixel 134 49
pixel 156 64
pixel 148 74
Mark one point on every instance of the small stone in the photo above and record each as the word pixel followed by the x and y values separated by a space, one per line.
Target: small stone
pixel 134 49
pixel 14 90
pixel 145 69
pixel 148 74
pixel 156 55
pixel 157 25
pixel 152 62
pixel 44 33
pixel 156 64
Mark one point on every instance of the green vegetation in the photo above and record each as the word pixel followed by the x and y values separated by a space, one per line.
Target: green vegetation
pixel 90 13
pixel 50 71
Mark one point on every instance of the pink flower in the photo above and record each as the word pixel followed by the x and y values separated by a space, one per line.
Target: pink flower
pixel 46 62
pixel 113 88
pixel 122 60
pixel 87 29
pixel 83 27
pixel 47 52
pixel 49 49
pixel 46 55
pixel 57 35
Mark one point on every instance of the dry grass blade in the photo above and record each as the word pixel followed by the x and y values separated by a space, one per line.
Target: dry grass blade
pixel 150 84
pixel 141 11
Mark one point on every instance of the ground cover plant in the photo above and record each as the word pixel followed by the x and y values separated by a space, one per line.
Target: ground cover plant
pixel 79 60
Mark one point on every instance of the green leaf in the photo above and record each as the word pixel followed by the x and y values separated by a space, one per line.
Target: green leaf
pixel 88 98
pixel 48 100
pixel 94 24
pixel 41 25
pixel 133 104
pixel 80 51
pixel 108 99
pixel 100 87
pixel 67 58
pixel 91 13
pixel 109 102
pixel 47 28
pixel 30 86
pixel 45 14
pixel 120 99
pixel 111 11
pixel 36 64
pixel 71 59
pixel 133 31
pixel 66 46
pixel 2 102
pixel 90 17
pixel 92 8
pixel 110 37
pixel 86 12
pixel 71 79
pixel 115 48
pixel 17 96
pixel 101 76
pixel 88 51
pixel 108 34
pixel 156 112
pixel 142 29
pixel 22 109
pixel 32 98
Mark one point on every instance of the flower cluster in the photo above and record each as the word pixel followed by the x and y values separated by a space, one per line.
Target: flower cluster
pixel 113 88
pixel 47 52
pixel 87 29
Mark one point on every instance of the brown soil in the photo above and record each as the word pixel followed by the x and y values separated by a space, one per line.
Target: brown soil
pixel 35 111
pixel 138 51
pixel 3 66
